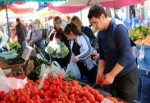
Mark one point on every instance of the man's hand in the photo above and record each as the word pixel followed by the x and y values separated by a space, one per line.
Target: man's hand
pixel 108 79
pixel 99 75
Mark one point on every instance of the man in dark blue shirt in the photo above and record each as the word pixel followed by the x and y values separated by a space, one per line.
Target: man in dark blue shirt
pixel 116 63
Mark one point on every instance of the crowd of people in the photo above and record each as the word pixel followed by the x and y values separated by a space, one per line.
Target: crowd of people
pixel 108 54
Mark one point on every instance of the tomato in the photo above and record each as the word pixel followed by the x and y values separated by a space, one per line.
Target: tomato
pixel 41 93
pixel 56 95
pixel 21 77
pixel 46 85
pixel 7 98
pixel 54 100
pixel 47 100
pixel 20 92
pixel 38 81
pixel 30 101
pixel 99 98
pixel 9 75
pixel 36 97
pixel 13 98
pixel 2 94
pixel 100 80
pixel 34 90
pixel 72 97
pixel 56 81
pixel 78 100
pixel 52 87
pixel 74 83
pixel 91 99
pixel 84 98
pixel 72 90
pixel 2 102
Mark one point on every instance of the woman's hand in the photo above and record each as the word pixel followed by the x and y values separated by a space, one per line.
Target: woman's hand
pixel 74 59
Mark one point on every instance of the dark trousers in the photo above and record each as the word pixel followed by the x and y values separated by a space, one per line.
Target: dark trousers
pixel 126 87
pixel 91 74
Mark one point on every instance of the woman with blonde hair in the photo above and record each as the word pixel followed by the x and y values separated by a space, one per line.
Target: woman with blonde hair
pixel 85 29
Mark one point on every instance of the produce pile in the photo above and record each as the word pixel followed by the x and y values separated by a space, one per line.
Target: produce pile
pixel 11 50
pixel 57 49
pixel 54 90
pixel 140 34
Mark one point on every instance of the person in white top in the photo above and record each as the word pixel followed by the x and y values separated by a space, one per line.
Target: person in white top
pixel 81 50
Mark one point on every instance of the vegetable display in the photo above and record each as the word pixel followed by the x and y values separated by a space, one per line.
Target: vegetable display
pixel 57 49
pixel 55 90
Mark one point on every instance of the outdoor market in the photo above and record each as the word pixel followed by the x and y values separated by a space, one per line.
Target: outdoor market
pixel 74 51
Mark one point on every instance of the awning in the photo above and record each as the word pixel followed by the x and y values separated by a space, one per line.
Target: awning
pixel 120 3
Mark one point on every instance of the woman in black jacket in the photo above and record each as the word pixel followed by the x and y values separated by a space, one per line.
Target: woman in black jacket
pixel 58 34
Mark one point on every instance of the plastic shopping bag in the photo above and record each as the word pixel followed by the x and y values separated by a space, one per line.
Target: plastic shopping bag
pixel 73 70
pixel 142 52
pixel 54 70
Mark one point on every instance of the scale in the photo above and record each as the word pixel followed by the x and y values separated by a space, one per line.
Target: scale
pixel 26 55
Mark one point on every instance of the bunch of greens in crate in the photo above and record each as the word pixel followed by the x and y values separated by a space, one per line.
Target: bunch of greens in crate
pixel 139 32
pixel 34 75
pixel 19 51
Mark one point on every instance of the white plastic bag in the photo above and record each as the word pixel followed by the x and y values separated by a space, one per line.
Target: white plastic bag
pixel 142 52
pixel 73 70
pixel 7 84
pixel 54 70
pixel 57 49
pixel 44 70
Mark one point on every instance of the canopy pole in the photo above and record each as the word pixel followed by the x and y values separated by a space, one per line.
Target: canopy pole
pixel 6 6
pixel 114 7
pixel 81 14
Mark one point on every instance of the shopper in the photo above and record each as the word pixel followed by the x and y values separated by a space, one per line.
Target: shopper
pixel 81 52
pixel 116 63
pixel 59 35
pixel 21 32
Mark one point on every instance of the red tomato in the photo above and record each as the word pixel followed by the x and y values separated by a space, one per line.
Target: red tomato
pixel 56 81
pixel 99 98
pixel 41 93
pixel 52 87
pixel 13 98
pixel 38 81
pixel 7 98
pixel 36 97
pixel 100 80
pixel 54 100
pixel 30 101
pixel 56 95
pixel 72 97
pixel 47 100
pixel 78 100
pixel 2 94
pixel 9 75
pixel 46 85
pixel 34 90
pixel 2 102
pixel 20 92
pixel 75 83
